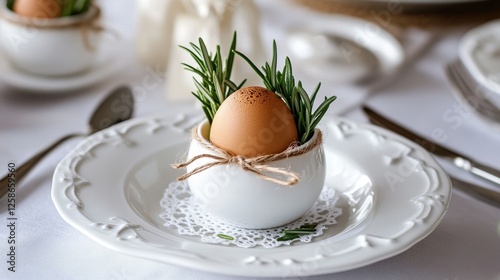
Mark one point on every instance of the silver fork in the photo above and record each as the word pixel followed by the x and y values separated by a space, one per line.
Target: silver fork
pixel 471 93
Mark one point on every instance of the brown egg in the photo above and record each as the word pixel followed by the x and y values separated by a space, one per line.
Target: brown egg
pixel 37 8
pixel 253 121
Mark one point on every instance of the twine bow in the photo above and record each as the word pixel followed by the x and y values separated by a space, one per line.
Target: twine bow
pixel 258 165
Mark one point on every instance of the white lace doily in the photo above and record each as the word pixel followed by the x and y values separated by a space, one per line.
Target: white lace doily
pixel 183 212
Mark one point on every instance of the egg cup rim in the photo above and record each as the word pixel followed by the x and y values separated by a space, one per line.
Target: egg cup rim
pixel 293 149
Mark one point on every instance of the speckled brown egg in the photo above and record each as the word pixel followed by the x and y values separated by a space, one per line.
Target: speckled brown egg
pixel 253 121
pixel 37 8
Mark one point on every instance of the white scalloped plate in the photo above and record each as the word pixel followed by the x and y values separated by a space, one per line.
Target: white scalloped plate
pixel 393 194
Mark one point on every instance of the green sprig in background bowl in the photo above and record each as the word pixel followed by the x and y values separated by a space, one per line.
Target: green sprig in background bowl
pixel 68 7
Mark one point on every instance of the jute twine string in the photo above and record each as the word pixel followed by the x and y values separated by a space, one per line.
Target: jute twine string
pixel 258 165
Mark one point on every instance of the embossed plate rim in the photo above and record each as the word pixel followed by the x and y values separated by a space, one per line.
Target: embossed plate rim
pixel 130 234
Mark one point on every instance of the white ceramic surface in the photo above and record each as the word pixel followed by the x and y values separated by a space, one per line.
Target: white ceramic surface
pixel 240 198
pixel 51 47
pixel 479 51
pixel 109 60
pixel 393 194
pixel 340 61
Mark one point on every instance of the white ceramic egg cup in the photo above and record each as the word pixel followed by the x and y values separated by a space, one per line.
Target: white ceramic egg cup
pixel 240 198
pixel 51 47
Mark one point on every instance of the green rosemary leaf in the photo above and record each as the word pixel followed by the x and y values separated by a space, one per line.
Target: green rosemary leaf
pixel 318 117
pixel 67 8
pixel 202 101
pixel 219 70
pixel 206 57
pixel 274 65
pixel 305 99
pixel 194 70
pixel 224 236
pixel 230 57
pixel 196 57
pixel 309 226
pixel 81 6
pixel 205 107
pixel 74 7
pixel 215 83
pixel 288 237
pixel 288 75
pixel 203 91
pixel 307 117
pixel 315 92
pixel 10 4
pixel 268 71
pixel 208 114
pixel 305 136
pixel 320 112
pixel 324 106
pixel 194 47
pixel 241 84
pixel 291 234
pixel 217 86
pixel 296 102
pixel 302 127
pixel 231 85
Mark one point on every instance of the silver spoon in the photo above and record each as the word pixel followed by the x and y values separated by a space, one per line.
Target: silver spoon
pixel 116 107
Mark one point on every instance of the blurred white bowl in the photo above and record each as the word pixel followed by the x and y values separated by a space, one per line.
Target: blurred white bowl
pixel 51 47
pixel 242 199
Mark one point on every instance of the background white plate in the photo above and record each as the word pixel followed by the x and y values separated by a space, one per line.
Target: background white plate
pixel 393 195
pixel 384 46
pixel 479 51
pixel 109 61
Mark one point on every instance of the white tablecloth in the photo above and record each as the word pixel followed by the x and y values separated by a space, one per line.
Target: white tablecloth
pixel 466 245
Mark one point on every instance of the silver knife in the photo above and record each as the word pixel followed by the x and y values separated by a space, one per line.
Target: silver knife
pixel 481 193
pixel 456 158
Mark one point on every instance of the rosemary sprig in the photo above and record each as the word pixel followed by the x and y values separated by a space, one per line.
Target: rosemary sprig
pixel 291 234
pixel 215 85
pixel 294 95
pixel 10 4
pixel 74 7
pixel 68 7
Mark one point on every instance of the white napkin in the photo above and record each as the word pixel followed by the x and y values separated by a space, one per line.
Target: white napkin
pixel 414 42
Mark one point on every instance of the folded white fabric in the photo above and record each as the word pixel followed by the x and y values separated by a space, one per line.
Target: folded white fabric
pixel 479 51
pixel 414 42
